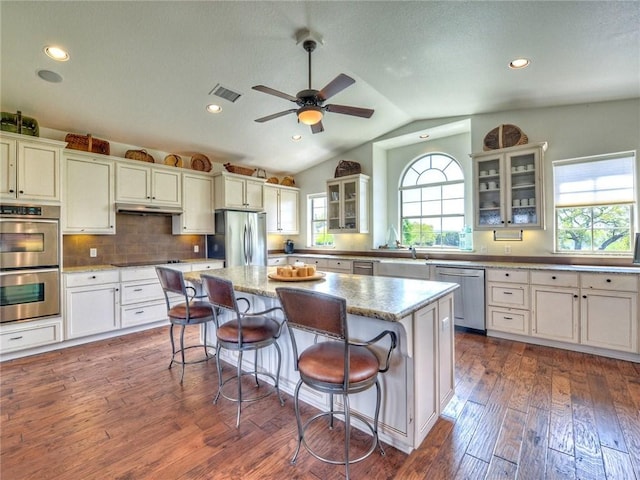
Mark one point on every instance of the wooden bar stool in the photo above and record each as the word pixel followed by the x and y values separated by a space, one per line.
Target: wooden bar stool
pixel 245 331
pixel 183 310
pixel 337 367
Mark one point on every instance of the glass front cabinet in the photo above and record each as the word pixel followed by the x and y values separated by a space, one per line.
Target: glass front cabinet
pixel 347 204
pixel 508 187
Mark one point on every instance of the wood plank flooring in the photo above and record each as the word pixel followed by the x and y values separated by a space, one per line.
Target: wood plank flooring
pixel 112 410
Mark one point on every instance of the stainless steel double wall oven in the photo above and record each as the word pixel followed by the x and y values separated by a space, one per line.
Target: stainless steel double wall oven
pixel 29 262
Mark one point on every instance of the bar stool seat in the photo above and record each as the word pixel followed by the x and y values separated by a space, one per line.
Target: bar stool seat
pixel 183 310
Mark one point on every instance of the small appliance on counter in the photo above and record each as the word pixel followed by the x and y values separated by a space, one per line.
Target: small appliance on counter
pixel 288 246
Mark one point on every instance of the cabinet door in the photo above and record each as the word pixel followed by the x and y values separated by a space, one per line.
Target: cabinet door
pixel 166 187
pixel 334 207
pixel 133 183
pixel 253 194
pixel 88 196
pixel 8 172
pixel 609 319
pixel 425 348
pixel 289 211
pixel 555 313
pixel 197 203
pixel 489 191
pixel 524 180
pixel 446 371
pixel 91 310
pixel 38 172
pixel 233 193
pixel 271 207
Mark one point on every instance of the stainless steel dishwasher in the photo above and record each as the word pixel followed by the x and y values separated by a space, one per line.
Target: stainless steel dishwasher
pixel 469 302
pixel 363 268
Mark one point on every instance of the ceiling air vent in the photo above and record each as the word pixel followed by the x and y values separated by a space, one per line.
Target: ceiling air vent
pixel 225 93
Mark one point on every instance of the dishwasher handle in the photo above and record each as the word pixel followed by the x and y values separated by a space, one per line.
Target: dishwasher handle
pixel 447 274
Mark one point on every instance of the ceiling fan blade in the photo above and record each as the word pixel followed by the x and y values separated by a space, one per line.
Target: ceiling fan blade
pixel 277 93
pixel 336 85
pixel 345 110
pixel 275 115
pixel 317 127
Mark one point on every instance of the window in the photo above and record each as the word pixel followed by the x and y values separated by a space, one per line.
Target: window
pixel 317 204
pixel 594 203
pixel 432 202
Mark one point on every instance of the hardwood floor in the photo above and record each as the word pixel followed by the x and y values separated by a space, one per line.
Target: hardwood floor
pixel 112 410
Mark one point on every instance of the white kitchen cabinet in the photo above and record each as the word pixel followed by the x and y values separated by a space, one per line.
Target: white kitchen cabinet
pixel 609 311
pixel 507 293
pixel 281 205
pixel 446 354
pixel 29 168
pixel 15 336
pixel 197 205
pixel 508 187
pixel 238 191
pixel 348 204
pixel 555 306
pixel 142 299
pixel 89 192
pixel 139 183
pixel 91 302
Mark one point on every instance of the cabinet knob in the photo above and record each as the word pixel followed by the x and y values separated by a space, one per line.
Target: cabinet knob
pixel 584 296
pixel 575 296
pixel 608 280
pixel 11 191
pixel 553 277
pixel 21 191
pixel 93 277
pixel 153 198
pixel 506 274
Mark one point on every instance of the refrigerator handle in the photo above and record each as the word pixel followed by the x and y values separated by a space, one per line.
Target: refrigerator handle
pixel 246 245
pixel 250 245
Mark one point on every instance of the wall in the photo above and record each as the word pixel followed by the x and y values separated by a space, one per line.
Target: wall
pixel 571 131
pixel 138 239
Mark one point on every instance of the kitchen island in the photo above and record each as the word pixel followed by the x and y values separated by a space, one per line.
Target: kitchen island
pixel 420 381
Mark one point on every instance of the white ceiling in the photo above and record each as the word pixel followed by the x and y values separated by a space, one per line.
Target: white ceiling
pixel 140 73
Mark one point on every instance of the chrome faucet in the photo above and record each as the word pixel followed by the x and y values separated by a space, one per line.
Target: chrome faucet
pixel 412 249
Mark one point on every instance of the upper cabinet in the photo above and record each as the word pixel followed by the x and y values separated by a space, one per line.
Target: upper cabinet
pixel 88 194
pixel 29 168
pixel 508 185
pixel 149 185
pixel 238 191
pixel 281 205
pixel 197 205
pixel 348 204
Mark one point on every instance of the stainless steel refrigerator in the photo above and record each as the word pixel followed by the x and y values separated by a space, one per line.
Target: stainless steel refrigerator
pixel 240 238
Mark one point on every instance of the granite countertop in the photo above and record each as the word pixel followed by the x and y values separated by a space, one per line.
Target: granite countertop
pixel 97 268
pixel 476 263
pixel 385 298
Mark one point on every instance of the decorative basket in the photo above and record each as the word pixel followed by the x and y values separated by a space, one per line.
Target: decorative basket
pixel 16 123
pixel 238 169
pixel 87 143
pixel 141 155
pixel 173 160
pixel 504 136
pixel 288 182
pixel 347 167
pixel 200 162
pixel 273 180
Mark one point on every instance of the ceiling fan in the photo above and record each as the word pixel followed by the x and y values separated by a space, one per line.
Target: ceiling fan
pixel 310 102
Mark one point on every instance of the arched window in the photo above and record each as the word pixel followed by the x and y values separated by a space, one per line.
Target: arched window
pixel 432 202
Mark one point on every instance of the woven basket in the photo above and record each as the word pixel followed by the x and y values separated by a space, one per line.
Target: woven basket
pixel 347 167
pixel 288 182
pixel 200 162
pixel 238 169
pixel 17 123
pixel 141 155
pixel 87 143
pixel 504 136
pixel 273 180
pixel 173 160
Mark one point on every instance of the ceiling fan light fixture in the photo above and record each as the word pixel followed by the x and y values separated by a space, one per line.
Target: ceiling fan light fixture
pixel 309 115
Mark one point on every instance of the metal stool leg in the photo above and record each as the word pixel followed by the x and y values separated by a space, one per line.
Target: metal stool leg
pixel 239 373
pixel 347 434
pixel 375 420
pixel 182 351
pixel 296 407
pixel 278 374
pixel 173 347
pixel 219 367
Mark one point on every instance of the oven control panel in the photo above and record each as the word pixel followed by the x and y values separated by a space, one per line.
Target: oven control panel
pixel 30 211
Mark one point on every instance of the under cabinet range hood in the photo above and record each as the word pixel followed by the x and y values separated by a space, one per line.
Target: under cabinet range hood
pixel 139 209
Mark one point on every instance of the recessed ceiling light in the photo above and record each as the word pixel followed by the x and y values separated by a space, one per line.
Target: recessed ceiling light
pixel 214 108
pixel 519 63
pixel 49 76
pixel 56 53
pixel 424 135
pixel 296 138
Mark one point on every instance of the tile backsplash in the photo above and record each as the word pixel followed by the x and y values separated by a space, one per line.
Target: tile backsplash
pixel 137 239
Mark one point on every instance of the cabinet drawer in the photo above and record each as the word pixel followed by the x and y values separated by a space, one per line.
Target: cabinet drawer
pixel 507 295
pixel 195 267
pixel 318 262
pixel 91 278
pixel 141 314
pixel 560 279
pixel 339 265
pixel 29 336
pixel 277 261
pixel 507 276
pixel 613 281
pixel 141 292
pixel 133 274
pixel 508 320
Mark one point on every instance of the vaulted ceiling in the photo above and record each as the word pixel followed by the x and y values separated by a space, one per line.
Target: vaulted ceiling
pixel 141 73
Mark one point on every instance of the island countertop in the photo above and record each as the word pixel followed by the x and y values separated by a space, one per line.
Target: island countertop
pixel 384 298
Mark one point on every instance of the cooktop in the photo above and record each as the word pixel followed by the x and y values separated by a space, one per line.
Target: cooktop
pixel 146 263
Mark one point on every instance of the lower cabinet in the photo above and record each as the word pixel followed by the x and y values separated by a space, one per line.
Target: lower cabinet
pixel 91 302
pixel 36 333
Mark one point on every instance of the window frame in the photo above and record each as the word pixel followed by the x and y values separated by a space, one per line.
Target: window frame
pixel 311 197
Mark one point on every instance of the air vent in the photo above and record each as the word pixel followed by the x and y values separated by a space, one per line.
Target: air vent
pixel 225 93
